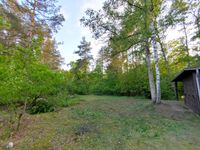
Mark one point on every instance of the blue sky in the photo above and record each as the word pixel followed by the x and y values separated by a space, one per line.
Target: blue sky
pixel 72 31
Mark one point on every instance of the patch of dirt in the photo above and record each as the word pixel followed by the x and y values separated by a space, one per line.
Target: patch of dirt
pixel 84 129
pixel 174 109
pixel 26 122
pixel 14 135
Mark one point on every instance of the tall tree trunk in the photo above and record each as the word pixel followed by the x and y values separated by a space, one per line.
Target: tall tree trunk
pixel 197 22
pixel 32 26
pixel 186 42
pixel 21 115
pixel 127 61
pixel 132 59
pixel 162 49
pixel 148 54
pixel 155 52
pixel 150 72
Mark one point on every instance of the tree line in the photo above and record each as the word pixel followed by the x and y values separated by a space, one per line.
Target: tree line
pixel 136 59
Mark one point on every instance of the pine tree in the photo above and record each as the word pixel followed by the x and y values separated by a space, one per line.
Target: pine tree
pixel 50 55
pixel 42 13
pixel 84 54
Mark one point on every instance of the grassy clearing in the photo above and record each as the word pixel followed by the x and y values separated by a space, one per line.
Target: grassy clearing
pixel 109 122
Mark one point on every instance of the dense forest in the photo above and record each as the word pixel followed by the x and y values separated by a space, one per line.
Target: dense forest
pixel 136 60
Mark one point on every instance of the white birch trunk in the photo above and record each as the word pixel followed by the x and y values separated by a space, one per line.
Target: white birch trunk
pixel 155 52
pixel 148 55
pixel 150 74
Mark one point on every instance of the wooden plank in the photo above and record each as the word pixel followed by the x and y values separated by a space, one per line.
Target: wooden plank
pixel 198 82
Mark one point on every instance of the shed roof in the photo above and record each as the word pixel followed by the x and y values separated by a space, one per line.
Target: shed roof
pixel 184 73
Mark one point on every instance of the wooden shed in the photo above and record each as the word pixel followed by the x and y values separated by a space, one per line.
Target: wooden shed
pixel 191 87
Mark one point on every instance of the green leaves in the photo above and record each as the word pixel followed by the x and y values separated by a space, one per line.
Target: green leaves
pixel 24 78
pixel 4 23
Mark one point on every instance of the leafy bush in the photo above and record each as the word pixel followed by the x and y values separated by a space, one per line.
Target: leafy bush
pixel 24 79
pixel 41 106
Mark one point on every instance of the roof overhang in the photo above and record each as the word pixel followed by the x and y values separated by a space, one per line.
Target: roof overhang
pixel 183 74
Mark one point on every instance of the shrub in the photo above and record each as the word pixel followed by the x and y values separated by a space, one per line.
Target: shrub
pixel 41 106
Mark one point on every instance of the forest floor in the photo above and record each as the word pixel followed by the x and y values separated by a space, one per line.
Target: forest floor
pixel 110 123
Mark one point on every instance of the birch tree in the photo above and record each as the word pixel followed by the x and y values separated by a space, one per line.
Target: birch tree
pixel 130 31
pixel 133 30
pixel 155 52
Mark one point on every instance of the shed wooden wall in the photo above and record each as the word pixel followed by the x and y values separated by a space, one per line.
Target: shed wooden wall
pixel 190 93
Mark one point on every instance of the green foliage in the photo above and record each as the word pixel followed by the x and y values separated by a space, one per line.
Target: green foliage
pixel 24 78
pixel 135 82
pixel 4 23
pixel 167 89
pixel 41 106
pixel 131 83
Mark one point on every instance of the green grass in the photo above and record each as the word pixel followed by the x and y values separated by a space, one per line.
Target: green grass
pixel 108 123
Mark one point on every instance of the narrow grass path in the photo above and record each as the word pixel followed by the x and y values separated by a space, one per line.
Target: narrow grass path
pixel 111 123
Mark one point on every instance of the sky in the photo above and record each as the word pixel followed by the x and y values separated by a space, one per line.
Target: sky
pixel 72 31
